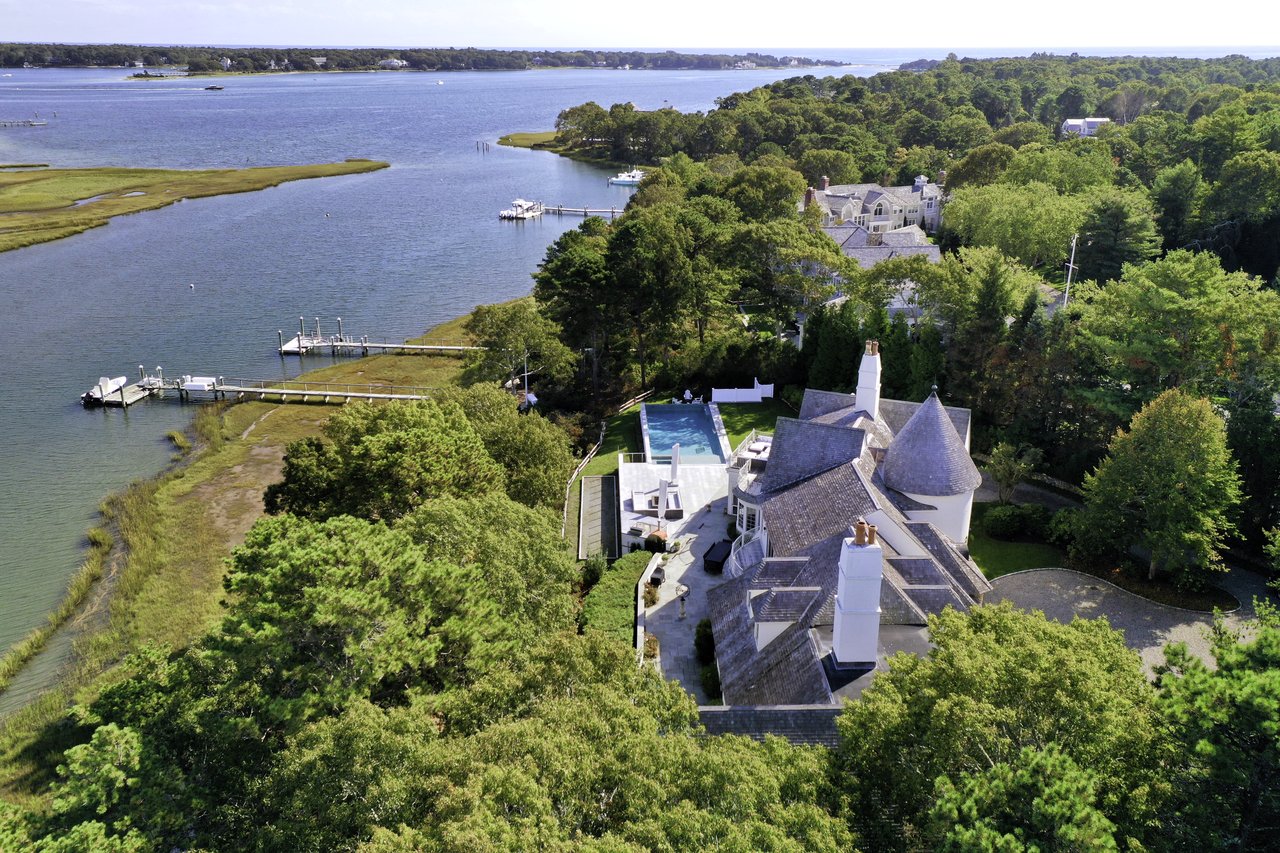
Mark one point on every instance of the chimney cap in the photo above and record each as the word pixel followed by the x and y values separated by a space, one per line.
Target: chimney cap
pixel 873 347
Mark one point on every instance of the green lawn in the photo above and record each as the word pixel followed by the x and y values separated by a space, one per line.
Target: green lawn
pixel 741 418
pixel 997 557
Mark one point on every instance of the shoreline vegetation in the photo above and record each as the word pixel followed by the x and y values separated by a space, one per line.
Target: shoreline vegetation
pixel 40 205
pixel 145 581
pixel 269 60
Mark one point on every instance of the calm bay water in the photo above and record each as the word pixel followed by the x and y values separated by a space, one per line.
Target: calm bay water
pixel 398 251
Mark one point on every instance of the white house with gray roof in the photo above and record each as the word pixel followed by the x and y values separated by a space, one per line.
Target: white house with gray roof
pixel 854 517
pixel 878 209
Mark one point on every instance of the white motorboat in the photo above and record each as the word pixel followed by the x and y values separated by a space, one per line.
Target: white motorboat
pixel 627 179
pixel 522 209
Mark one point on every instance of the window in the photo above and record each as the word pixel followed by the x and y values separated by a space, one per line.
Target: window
pixel 879 211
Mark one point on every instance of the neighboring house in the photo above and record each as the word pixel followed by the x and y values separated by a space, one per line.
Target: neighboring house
pixel 853 517
pixel 225 63
pixel 319 61
pixel 393 63
pixel 869 248
pixel 876 208
pixel 1083 126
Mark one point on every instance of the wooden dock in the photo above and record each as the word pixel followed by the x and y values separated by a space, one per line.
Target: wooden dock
pixel 303 344
pixel 23 122
pixel 307 341
pixel 561 210
pixel 283 391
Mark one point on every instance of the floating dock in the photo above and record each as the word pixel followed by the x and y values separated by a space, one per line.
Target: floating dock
pixel 23 122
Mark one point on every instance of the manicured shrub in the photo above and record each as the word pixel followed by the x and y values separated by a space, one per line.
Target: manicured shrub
pixel 1017 521
pixel 704 642
pixel 611 604
pixel 710 677
pixel 592 570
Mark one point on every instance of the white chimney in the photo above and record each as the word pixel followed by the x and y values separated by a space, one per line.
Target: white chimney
pixel 868 397
pixel 857 618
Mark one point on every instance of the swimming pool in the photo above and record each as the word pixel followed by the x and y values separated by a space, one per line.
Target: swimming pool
pixel 695 427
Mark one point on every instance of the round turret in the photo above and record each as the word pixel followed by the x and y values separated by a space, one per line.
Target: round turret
pixel 928 457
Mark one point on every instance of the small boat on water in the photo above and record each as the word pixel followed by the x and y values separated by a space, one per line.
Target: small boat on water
pixel 627 179
pixel 213 88
pixel 522 209
pixel 98 394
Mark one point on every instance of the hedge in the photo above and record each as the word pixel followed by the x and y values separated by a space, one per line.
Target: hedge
pixel 611 604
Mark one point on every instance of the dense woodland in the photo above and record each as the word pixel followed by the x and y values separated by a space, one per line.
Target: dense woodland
pixel 406 661
pixel 345 59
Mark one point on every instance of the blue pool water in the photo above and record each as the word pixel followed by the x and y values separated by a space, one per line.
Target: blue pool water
pixel 691 426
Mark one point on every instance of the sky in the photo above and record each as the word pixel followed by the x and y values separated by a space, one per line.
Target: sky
pixel 677 24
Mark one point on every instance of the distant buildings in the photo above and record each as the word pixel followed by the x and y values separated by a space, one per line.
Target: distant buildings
pixel 393 63
pixel 1083 126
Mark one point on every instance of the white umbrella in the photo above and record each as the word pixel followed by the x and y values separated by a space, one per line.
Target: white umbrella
pixel 662 501
pixel 675 464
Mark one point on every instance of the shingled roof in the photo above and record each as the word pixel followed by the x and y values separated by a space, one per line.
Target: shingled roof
pixel 802 449
pixel 928 457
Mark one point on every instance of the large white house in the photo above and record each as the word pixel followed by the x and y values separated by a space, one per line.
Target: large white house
pixel 854 518
pixel 878 209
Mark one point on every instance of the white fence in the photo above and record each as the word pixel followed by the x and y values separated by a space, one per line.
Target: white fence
pixel 742 395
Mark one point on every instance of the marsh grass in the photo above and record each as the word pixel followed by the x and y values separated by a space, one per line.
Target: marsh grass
pixel 47 204
pixel 158 579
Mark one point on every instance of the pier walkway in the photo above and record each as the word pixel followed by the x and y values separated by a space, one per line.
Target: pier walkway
pixel 278 390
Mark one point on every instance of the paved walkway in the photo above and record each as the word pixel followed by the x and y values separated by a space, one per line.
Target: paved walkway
pixel 598 523
pixel 1062 594
pixel 675 633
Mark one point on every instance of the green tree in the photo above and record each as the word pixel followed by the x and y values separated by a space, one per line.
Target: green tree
pixel 533 452
pixel 996 681
pixel 1009 465
pixel 380 462
pixel 840 167
pixel 1118 228
pixel 1227 717
pixel 1178 511
pixel 1177 193
pixel 1030 222
pixel 765 192
pixel 1039 801
pixel 519 342
pixel 982 165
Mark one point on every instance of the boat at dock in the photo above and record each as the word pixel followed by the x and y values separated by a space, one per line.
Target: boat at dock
pixel 99 394
pixel 627 179
pixel 522 209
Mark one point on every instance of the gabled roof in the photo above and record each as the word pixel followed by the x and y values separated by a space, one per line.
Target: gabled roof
pixel 928 456
pixel 817 403
pixel 816 510
pixel 803 449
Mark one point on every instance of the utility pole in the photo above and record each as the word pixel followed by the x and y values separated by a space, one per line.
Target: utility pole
pixel 1071 267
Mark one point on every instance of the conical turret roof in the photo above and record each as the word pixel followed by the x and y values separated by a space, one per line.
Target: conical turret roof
pixel 928 457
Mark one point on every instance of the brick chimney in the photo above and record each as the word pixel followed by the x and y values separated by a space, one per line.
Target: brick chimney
pixel 867 397
pixel 856 636
pixel 826 182
pixel 808 197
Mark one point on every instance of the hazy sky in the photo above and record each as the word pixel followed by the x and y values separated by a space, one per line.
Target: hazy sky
pixel 655 23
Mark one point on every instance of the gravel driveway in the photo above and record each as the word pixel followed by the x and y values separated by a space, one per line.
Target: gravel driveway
pixel 1062 594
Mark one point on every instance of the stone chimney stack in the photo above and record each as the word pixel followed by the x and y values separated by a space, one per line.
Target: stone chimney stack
pixel 856 638
pixel 808 197
pixel 867 397
pixel 826 182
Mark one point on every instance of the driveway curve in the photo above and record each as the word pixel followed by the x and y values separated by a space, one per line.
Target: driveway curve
pixel 1148 627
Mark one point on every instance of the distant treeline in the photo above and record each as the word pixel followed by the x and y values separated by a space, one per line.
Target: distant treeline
pixel 427 59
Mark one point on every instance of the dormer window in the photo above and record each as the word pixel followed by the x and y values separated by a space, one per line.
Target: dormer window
pixel 879 211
